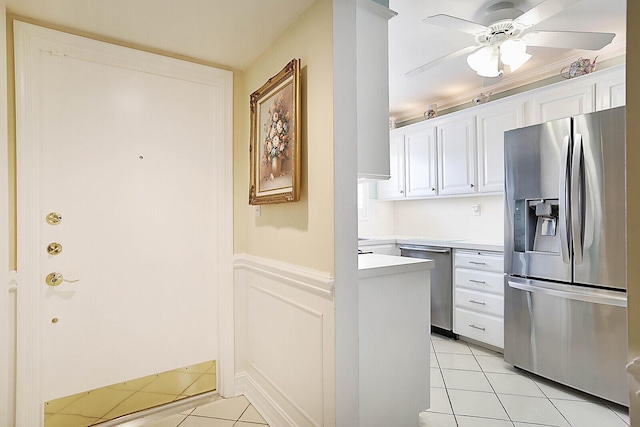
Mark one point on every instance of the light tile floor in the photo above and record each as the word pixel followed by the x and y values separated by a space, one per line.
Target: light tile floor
pixel 474 387
pixel 234 412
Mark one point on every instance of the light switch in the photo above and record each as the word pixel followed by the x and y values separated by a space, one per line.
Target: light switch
pixel 475 209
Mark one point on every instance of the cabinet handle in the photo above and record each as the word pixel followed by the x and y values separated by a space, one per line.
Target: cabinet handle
pixel 401 191
pixel 477 327
pixel 482 282
pixel 477 302
pixel 477 263
pixel 433 189
pixel 471 185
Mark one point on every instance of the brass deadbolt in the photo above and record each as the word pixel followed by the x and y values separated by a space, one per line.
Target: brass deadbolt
pixel 54 218
pixel 54 248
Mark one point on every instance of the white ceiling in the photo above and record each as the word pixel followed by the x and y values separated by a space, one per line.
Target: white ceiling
pixel 226 33
pixel 413 43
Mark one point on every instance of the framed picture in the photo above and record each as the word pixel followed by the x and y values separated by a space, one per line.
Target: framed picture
pixel 275 138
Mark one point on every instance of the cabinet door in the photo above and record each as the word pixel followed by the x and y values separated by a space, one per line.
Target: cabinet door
pixel 420 162
pixel 393 188
pixel 456 156
pixel 611 89
pixel 566 100
pixel 491 124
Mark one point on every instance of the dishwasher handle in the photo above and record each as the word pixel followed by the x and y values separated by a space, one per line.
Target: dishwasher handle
pixel 418 249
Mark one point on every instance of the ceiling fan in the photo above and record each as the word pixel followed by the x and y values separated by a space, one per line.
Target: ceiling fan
pixel 504 40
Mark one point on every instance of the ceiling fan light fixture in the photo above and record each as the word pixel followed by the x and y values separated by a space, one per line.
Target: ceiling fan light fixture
pixel 518 61
pixel 486 61
pixel 514 53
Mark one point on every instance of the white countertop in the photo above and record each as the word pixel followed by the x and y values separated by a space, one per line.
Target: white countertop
pixel 378 265
pixel 443 243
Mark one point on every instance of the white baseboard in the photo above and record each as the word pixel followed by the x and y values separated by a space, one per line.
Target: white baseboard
pixel 272 413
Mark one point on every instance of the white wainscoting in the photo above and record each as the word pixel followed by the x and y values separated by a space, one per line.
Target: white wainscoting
pixel 284 336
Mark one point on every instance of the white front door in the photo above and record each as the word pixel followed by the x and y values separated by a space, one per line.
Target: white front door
pixel 132 152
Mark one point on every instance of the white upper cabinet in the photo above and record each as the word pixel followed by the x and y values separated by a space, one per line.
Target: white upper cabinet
pixel 393 188
pixel 463 152
pixel 491 124
pixel 611 90
pixel 420 162
pixel 456 155
pixel 559 101
pixel 372 89
pixel 412 152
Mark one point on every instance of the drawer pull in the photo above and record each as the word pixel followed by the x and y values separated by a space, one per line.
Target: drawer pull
pixel 477 302
pixel 478 281
pixel 477 327
pixel 477 263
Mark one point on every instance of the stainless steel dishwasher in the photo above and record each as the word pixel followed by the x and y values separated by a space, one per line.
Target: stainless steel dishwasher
pixel 441 285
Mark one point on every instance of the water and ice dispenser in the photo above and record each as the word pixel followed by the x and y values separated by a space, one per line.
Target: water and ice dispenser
pixel 536 225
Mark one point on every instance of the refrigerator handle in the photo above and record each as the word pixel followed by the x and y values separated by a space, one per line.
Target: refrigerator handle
pixel 577 177
pixel 563 214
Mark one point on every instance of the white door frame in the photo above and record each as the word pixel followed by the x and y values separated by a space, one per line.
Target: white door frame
pixel 5 369
pixel 29 39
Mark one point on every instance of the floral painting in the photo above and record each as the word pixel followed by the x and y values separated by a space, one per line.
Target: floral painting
pixel 276 133
pixel 275 142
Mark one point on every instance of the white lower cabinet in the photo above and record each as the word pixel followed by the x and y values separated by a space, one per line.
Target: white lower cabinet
pixel 479 296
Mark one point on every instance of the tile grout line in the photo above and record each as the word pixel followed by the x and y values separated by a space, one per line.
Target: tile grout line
pixel 242 413
pixel 435 353
pixel 492 388
pixel 549 399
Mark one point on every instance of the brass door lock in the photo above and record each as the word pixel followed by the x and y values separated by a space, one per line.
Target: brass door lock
pixel 54 248
pixel 55 279
pixel 54 218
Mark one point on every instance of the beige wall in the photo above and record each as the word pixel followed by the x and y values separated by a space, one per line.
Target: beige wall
pixel 633 187
pixel 299 233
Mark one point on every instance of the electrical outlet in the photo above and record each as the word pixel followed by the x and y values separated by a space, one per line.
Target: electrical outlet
pixel 475 209
pixel 258 210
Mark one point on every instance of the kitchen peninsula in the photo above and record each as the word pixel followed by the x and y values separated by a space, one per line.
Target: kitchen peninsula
pixel 394 319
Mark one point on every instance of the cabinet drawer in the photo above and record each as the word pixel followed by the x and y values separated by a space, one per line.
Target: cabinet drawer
pixel 485 281
pixel 480 261
pixel 480 327
pixel 480 301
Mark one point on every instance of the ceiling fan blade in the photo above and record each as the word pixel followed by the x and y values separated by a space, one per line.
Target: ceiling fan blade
pixel 569 39
pixel 448 21
pixel 435 62
pixel 542 11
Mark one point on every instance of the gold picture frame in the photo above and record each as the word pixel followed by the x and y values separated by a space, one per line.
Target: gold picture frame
pixel 275 138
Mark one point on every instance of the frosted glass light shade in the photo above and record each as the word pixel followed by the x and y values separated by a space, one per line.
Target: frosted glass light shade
pixel 514 53
pixel 485 62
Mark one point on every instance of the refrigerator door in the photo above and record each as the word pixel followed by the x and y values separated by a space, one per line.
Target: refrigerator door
pixel 537 229
pixel 598 199
pixel 570 334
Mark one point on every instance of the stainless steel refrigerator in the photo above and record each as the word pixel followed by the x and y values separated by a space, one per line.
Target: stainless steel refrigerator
pixel 565 252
